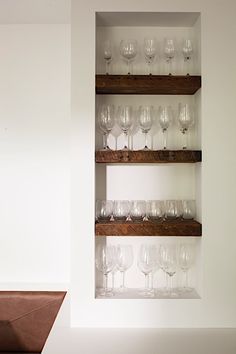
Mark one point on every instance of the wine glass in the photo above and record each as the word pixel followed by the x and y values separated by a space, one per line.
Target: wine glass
pixel 124 261
pixel 107 55
pixel 150 51
pixel 106 121
pixel 173 209
pixel 145 121
pixel 169 52
pixel 185 120
pixel 137 210
pixel 169 264
pixel 187 51
pixel 147 262
pixel 104 210
pixel 125 119
pixel 165 119
pixel 105 263
pixel 189 209
pixel 121 210
pixel 154 210
pixel 129 50
pixel 186 257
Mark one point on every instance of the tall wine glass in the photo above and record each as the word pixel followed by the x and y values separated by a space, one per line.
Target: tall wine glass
pixel 154 210
pixel 169 52
pixel 137 210
pixel 186 257
pixel 121 210
pixel 106 121
pixel 129 50
pixel 104 210
pixel 107 54
pixel 165 119
pixel 185 120
pixel 125 119
pixel 169 260
pixel 187 51
pixel 124 261
pixel 147 261
pixel 145 121
pixel 105 262
pixel 150 51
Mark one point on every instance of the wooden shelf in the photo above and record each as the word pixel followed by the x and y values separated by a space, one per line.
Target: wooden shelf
pixel 147 84
pixel 148 156
pixel 149 228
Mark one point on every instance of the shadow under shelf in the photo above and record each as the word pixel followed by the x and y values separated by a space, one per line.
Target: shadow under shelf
pixel 149 228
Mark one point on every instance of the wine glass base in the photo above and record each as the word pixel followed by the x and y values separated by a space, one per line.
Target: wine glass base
pixel 105 149
pixel 147 292
pixel 146 148
pixel 104 292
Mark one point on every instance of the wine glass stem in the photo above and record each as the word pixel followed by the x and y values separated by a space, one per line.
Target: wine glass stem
pixel 107 67
pixel 185 279
pixel 184 132
pixel 171 283
pixel 105 283
pixel 105 141
pixel 146 140
pixel 151 281
pixel 126 140
pixel 123 280
pixel 187 62
pixel 164 139
pixel 146 282
pixel 129 67
pixel 113 280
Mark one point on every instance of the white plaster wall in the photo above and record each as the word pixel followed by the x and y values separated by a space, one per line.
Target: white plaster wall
pixel 217 308
pixel 34 155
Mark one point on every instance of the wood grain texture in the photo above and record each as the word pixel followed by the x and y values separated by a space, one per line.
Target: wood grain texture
pixel 141 156
pixel 149 228
pixel 147 84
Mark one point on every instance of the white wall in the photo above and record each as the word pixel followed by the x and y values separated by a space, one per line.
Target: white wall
pixel 217 306
pixel 34 154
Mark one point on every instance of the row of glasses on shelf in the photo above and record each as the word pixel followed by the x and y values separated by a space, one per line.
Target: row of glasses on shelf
pixel 129 49
pixel 126 117
pixel 141 210
pixel 169 258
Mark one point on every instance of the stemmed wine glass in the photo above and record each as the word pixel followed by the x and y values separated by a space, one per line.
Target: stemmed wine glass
pixel 185 120
pixel 107 54
pixel 150 51
pixel 169 52
pixel 169 265
pixel 106 121
pixel 187 51
pixel 165 119
pixel 145 121
pixel 125 119
pixel 124 260
pixel 105 262
pixel 147 262
pixel 186 260
pixel 129 50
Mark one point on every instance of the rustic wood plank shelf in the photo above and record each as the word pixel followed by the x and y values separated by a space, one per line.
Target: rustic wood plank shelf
pixel 149 228
pixel 148 156
pixel 147 84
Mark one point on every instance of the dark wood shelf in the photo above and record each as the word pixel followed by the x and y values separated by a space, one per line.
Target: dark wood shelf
pixel 149 228
pixel 147 84
pixel 148 156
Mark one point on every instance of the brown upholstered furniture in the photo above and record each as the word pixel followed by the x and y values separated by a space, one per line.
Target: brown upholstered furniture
pixel 26 318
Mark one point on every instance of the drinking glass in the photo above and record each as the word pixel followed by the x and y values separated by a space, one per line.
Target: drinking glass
pixel 121 210
pixel 186 257
pixel 187 51
pixel 173 209
pixel 185 120
pixel 104 210
pixel 147 262
pixel 169 264
pixel 106 121
pixel 137 210
pixel 165 119
pixel 124 261
pixel 107 54
pixel 169 52
pixel 150 51
pixel 105 262
pixel 129 50
pixel 125 119
pixel 154 210
pixel 189 209
pixel 145 121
